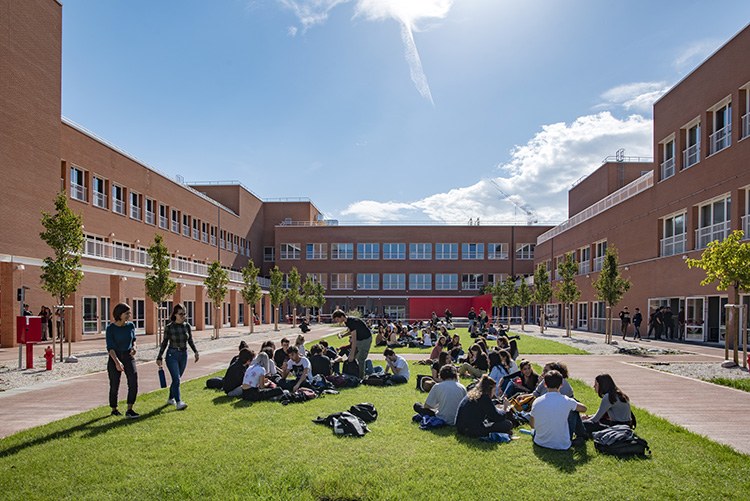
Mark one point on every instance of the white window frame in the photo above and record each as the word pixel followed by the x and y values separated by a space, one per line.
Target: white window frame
pixel 316 251
pixel 368 251
pixel 174 217
pixel 472 251
pixel 420 251
pixel 394 281
pixel 100 196
pixel 289 251
pixel 394 251
pixel 584 260
pixel 672 242
pixel 714 229
pixel 420 281
pixel 497 251
pixel 185 225
pixel 667 167
pixel 721 137
pixel 150 215
pixel 118 199
pixel 446 281
pixel 368 281
pixel 472 281
pixel 78 189
pixel 163 216
pixel 600 250
pixel 342 251
pixel 341 281
pixel 446 251
pixel 269 257
pixel 525 251
pixel 691 155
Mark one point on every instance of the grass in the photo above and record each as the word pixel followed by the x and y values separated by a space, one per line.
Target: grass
pixel 221 448
pixel 527 345
pixel 739 384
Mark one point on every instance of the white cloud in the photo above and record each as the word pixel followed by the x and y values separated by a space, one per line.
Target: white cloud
pixel 408 13
pixel 638 96
pixel 539 173
pixel 694 54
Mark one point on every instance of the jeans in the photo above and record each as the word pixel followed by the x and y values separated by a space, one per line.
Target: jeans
pixel 575 425
pixel 176 361
pixel 128 362
pixel 399 379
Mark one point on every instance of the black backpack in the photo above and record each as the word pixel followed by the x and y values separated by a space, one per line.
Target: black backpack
pixel 620 441
pixel 345 424
pixel 351 368
pixel 378 379
pixel 365 411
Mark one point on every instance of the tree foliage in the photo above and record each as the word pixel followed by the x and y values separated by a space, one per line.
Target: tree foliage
pixel 319 297
pixel 308 296
pixel 542 291
pixel 251 290
pixel 159 285
pixel 216 288
pixel 610 286
pixel 276 293
pixel 293 292
pixel 523 299
pixel 567 290
pixel 504 295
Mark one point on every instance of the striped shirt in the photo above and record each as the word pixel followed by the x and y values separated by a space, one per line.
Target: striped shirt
pixel 177 336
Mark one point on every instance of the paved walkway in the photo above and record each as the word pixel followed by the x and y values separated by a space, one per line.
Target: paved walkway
pixel 675 398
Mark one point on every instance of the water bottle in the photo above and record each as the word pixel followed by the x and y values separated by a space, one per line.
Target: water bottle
pixel 162 378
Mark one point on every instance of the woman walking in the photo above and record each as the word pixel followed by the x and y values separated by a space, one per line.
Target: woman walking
pixel 178 336
pixel 120 339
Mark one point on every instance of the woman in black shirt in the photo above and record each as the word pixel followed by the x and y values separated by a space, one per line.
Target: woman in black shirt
pixel 477 415
pixel 178 336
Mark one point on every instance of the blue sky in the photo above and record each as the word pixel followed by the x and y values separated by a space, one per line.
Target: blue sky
pixel 385 109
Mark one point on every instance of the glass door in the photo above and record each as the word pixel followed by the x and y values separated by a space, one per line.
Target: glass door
pixel 695 315
pixel 583 315
pixel 104 317
pixel 139 315
pixel 90 315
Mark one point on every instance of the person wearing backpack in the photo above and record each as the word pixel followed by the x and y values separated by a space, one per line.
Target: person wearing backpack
pixel 614 408
pixel 398 365
pixel 550 415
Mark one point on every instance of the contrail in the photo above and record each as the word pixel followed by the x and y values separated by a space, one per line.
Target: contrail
pixel 415 64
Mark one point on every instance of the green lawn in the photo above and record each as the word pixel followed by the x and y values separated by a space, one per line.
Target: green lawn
pixel 740 384
pixel 527 345
pixel 221 448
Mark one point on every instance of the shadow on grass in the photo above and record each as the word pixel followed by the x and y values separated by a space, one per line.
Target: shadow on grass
pixel 566 461
pixel 90 428
pixel 222 399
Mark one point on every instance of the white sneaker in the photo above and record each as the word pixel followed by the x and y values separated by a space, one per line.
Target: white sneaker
pixel 171 401
pixel 180 405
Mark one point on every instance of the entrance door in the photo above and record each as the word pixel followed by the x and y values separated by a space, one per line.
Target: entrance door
pixel 717 319
pixel 90 315
pixel 583 315
pixel 695 315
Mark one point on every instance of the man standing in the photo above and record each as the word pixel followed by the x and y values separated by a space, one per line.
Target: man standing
pixel 361 338
pixel 668 323
pixel 550 415
pixel 637 320
pixel 624 322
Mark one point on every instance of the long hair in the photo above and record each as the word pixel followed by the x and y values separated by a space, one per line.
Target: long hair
pixel 485 386
pixel 608 387
pixel 175 310
pixel 443 358
pixel 557 366
pixel 262 360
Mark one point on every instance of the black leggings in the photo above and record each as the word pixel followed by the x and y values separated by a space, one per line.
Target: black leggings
pixel 128 362
pixel 258 394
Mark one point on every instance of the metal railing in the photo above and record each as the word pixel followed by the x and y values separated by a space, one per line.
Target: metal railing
pixel 598 263
pixel 673 245
pixel 691 156
pixel 718 231
pixel 100 200
pixel 584 267
pixel 150 217
pixel 135 212
pixel 746 225
pixel 118 206
pixel 630 190
pixel 78 192
pixel 720 139
pixel 175 226
pixel 746 125
pixel 163 222
pixel 667 168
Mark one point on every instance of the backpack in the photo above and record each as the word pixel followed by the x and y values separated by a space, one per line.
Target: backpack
pixel 351 368
pixel 301 395
pixel 620 441
pixel 215 383
pixel 378 379
pixel 345 424
pixel 365 411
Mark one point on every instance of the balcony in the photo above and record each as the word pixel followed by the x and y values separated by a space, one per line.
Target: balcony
pixel 100 200
pixel 745 125
pixel 667 168
pixel 673 245
pixel 746 225
pixel 78 192
pixel 135 212
pixel 720 139
pixel 584 267
pixel 718 231
pixel 163 222
pixel 691 156
pixel 598 263
pixel 118 206
pixel 150 217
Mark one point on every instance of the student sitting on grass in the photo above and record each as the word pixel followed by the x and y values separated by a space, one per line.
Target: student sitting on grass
pixel 426 339
pixel 444 397
pixel 501 369
pixel 380 337
pixel 243 346
pixel 300 344
pixel 255 385
pixel 393 341
pixel 435 353
pixel 526 383
pixel 299 367
pixel 280 356
pixel 232 383
pixel 321 364
pixel 550 415
pixel 455 343
pixel 614 408
pixel 476 364
pixel 397 365
pixel 565 389
pixel 477 415
pixel 427 382
pixel 504 343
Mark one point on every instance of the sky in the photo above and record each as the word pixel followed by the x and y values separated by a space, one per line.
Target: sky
pixel 385 110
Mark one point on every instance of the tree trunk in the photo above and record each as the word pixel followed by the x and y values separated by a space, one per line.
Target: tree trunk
pixel 294 315
pixel 523 318
pixel 541 324
pixel 567 320
pixel 252 319
pixel 276 318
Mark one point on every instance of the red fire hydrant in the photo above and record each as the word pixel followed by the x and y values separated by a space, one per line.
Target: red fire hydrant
pixel 49 355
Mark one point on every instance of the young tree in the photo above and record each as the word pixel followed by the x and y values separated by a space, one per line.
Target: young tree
pixel 319 297
pixel 542 292
pixel 523 298
pixel 503 295
pixel 216 288
pixel 567 290
pixel 276 294
pixel 293 294
pixel 251 291
pixel 62 274
pixel 610 287
pixel 159 286
pixel 308 296
pixel 726 262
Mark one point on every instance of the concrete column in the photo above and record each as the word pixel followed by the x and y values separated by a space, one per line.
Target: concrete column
pixel 177 296
pixel 150 316
pixel 233 312
pixel 74 318
pixel 258 310
pixel 10 281
pixel 200 316
pixel 268 307
pixel 115 290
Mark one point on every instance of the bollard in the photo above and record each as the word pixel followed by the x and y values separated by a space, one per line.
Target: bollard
pixel 29 355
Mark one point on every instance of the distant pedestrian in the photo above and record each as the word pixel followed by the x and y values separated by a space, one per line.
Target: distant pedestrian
pixel 624 322
pixel 26 311
pixel 637 320
pixel 120 338
pixel 178 335
pixel 668 319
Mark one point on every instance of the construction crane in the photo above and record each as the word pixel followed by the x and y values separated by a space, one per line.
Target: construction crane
pixel 523 207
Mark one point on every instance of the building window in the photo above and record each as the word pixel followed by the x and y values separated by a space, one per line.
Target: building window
pixel 713 223
pixel 446 252
pixel 150 211
pixel 186 225
pixel 394 312
pixel 135 205
pixel 496 278
pixel 600 249
pixel 163 220
pixel 420 281
pixel 213 236
pixel 289 251
pixel 394 251
pixel 78 189
pixel 100 193
pixel 692 153
pixel 196 229
pixel 341 281
pixel 675 235
pixel 342 251
pixel 472 281
pixel 420 252
pixel 118 199
pixel 222 239
pixel 368 251
pixel 472 251
pixel 584 260
pixel 269 254
pixel 745 99
pixel 525 251
pixel 204 233
pixel 175 221
pixel 368 281
pixel 139 314
pixel 394 281
pixel 497 251
pixel 446 281
pixel 667 164
pixel 316 251
pixel 722 136
pixel 318 278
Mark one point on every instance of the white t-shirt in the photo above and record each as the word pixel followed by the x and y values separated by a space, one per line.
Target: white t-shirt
pixel 446 397
pixel 550 413
pixel 400 366
pixel 254 376
pixel 426 339
pixel 297 368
